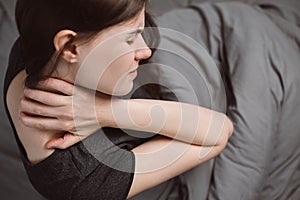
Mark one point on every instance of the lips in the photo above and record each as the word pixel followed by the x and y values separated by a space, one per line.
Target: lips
pixel 133 71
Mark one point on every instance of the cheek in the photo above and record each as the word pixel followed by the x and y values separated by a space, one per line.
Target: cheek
pixel 116 79
pixel 104 69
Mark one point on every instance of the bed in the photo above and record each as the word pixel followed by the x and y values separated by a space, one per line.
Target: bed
pixel 257 43
pixel 256 47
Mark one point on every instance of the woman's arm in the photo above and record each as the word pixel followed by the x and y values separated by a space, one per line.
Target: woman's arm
pixel 155 161
pixel 184 122
pixel 35 138
pixel 161 159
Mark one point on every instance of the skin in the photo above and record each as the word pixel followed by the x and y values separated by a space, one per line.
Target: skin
pixel 95 67
pixel 190 135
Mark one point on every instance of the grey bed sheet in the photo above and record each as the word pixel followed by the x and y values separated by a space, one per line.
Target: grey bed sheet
pixel 14 183
pixel 259 42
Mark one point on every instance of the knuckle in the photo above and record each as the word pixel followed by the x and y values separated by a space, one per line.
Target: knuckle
pixel 69 115
pixel 38 111
pixel 40 125
pixel 24 120
pixel 66 114
pixel 28 93
pixel 49 81
pixel 65 100
pixel 22 104
pixel 71 88
pixel 25 123
pixel 69 126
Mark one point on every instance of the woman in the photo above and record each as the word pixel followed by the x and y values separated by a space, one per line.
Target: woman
pixel 57 39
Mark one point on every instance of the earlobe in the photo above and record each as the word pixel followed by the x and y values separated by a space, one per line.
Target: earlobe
pixel 69 55
pixel 60 41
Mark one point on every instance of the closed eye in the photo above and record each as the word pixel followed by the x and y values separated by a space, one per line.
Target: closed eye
pixel 133 35
pixel 130 41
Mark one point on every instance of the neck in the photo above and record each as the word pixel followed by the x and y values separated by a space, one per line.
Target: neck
pixel 64 71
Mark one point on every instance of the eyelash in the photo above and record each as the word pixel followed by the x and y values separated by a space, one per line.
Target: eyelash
pixel 130 41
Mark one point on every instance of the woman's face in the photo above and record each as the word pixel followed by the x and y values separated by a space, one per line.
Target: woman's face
pixel 109 62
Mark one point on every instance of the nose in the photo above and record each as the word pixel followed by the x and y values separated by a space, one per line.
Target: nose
pixel 142 51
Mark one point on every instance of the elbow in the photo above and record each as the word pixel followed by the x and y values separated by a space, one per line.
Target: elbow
pixel 219 130
pixel 226 132
pixel 230 127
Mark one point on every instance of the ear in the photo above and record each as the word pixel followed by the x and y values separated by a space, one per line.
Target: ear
pixel 60 41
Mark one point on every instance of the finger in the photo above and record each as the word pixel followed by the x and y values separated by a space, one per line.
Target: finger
pixel 56 85
pixel 42 110
pixel 47 98
pixel 64 142
pixel 44 123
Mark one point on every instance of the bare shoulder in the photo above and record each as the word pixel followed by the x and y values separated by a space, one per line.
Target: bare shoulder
pixel 15 93
pixel 33 140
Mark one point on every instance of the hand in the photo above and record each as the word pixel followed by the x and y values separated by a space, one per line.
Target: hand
pixel 60 106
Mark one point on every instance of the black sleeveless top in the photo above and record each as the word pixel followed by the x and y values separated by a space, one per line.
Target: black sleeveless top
pixel 100 167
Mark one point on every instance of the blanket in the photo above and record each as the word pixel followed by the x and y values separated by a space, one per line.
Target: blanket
pixel 256 46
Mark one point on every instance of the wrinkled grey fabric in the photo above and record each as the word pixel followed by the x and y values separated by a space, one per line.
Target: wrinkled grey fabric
pixel 259 42
pixel 14 183
pixel 160 7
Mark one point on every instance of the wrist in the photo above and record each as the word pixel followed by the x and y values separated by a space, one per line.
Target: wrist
pixel 107 113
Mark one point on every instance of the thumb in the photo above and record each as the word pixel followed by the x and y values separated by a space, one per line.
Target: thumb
pixel 64 142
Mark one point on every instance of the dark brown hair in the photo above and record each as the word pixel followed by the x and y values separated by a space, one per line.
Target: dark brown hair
pixel 38 22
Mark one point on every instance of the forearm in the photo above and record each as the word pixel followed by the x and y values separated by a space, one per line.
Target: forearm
pixel 161 158
pixel 184 122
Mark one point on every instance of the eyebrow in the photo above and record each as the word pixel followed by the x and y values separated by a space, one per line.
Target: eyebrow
pixel 136 31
